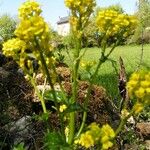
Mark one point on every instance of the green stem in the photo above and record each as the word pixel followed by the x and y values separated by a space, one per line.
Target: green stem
pixel 112 49
pixel 88 97
pixel 74 91
pixel 71 127
pixel 59 82
pixel 47 72
pixel 51 84
pixel 101 61
pixel 39 95
pixel 64 98
pixel 122 123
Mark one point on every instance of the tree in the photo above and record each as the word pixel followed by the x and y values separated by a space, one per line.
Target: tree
pixel 7 28
pixel 142 35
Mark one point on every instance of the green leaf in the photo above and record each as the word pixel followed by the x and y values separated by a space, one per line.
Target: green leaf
pixel 74 107
pixel 54 141
pixel 42 117
pixel 19 147
pixel 49 96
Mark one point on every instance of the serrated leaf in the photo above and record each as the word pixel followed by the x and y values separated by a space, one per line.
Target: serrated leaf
pixel 54 141
pixel 49 96
pixel 74 107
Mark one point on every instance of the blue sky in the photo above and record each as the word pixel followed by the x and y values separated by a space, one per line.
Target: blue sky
pixel 52 9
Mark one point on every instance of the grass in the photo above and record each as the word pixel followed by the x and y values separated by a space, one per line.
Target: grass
pixel 107 75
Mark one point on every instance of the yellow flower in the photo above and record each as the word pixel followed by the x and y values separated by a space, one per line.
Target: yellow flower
pixel 132 83
pixel 135 76
pixel 104 139
pixel 21 62
pixel 66 131
pixel 62 108
pixel 95 134
pixel 13 47
pixel 107 145
pixel 107 134
pixel 140 93
pixel 28 9
pixel 145 84
pixel 147 90
pixel 94 126
pixel 28 29
pixel 78 4
pixel 87 65
pixel 139 85
pixel 112 23
pixel 95 131
pixel 138 107
pixel 80 13
pixel 107 130
pixel 86 140
pixel 124 113
pixel 147 77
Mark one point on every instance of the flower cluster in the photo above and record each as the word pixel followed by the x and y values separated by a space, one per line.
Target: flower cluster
pixel 107 134
pixel 87 139
pixel 28 9
pixel 81 11
pixel 17 49
pixel 13 47
pixel 31 23
pixel 80 5
pixel 139 87
pixel 32 34
pixel 28 29
pixel 111 23
pixel 95 135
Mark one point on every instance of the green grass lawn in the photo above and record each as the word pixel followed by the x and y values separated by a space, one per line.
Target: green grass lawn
pixel 107 76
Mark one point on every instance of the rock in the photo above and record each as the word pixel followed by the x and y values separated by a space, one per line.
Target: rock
pixel 147 144
pixel 144 129
pixel 21 125
pixel 131 120
pixel 21 131
pixel 131 147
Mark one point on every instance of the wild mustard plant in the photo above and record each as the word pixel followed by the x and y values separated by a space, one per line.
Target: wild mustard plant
pixel 106 21
pixel 97 135
pixel 138 87
pixel 33 37
pixel 80 13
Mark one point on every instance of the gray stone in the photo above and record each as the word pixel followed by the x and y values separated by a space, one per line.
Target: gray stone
pixel 147 144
